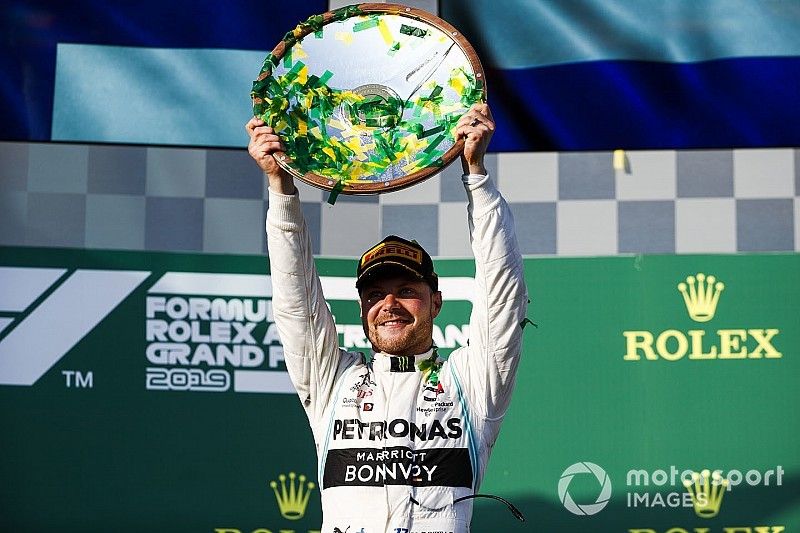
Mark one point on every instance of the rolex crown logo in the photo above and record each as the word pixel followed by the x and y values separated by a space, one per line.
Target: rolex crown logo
pixel 706 490
pixel 292 500
pixel 701 294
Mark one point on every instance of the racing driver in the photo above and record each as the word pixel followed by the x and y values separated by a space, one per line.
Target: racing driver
pixel 403 436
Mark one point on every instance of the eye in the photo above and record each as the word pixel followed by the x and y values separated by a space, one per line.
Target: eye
pixel 407 292
pixel 373 295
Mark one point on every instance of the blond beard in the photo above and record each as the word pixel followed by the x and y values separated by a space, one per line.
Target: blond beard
pixel 412 340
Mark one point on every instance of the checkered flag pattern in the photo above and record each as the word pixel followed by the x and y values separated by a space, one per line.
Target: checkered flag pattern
pixel 564 204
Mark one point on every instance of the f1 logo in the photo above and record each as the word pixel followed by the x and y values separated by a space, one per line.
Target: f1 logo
pixel 43 297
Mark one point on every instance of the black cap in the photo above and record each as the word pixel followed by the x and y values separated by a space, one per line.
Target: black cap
pixel 398 254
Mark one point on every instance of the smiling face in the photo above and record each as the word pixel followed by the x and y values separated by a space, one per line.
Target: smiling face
pixel 397 313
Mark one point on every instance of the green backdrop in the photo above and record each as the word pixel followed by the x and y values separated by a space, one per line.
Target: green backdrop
pixel 87 446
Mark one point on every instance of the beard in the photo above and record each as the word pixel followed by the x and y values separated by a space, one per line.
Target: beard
pixel 412 340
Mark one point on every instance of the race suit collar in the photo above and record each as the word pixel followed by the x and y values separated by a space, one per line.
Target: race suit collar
pixel 383 362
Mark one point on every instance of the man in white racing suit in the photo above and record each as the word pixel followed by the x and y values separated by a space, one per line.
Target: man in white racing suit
pixel 403 437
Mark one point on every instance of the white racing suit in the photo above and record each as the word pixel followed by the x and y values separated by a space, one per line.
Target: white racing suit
pixel 398 445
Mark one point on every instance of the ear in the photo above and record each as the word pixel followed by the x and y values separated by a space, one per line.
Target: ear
pixel 436 303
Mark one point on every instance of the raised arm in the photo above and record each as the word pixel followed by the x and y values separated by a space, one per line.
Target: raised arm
pixel 489 365
pixel 263 143
pixel 305 324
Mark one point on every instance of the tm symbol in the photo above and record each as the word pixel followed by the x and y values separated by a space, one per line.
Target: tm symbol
pixel 75 379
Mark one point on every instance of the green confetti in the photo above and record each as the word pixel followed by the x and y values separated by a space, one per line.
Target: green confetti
pixel 411 30
pixel 431 102
pixel 372 22
pixel 327 75
pixel 313 23
pixel 434 143
pixel 292 74
pixel 269 62
pixel 430 367
pixel 337 189
pixel 428 133
pixel 474 94
pixel 346 12
pixel 376 112
pixel 260 85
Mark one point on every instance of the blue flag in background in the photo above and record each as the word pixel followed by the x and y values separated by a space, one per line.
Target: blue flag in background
pixel 561 74
pixel 150 71
pixel 607 74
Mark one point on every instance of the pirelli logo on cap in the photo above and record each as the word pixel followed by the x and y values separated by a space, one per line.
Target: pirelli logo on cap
pixel 395 249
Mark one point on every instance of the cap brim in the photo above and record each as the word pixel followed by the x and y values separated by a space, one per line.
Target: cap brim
pixel 385 267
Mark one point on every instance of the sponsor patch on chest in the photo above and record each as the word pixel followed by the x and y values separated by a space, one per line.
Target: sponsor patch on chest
pixel 398 465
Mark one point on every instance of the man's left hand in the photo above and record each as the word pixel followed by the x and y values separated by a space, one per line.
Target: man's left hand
pixel 476 127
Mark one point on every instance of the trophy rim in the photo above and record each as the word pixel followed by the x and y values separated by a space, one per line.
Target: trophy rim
pixel 407 180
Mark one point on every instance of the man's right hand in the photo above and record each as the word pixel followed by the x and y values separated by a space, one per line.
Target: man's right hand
pixel 263 144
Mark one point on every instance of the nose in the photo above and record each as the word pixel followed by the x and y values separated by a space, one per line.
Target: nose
pixel 389 301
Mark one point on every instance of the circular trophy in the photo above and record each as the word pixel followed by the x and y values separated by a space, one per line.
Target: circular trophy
pixel 366 98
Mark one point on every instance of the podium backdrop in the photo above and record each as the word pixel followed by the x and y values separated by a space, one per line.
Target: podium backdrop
pixel 142 386
pixel 147 392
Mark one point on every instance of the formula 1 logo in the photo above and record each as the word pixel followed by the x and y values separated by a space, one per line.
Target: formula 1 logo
pixel 36 299
pixel 201 331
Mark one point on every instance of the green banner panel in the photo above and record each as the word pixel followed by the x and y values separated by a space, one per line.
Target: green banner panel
pixel 148 392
